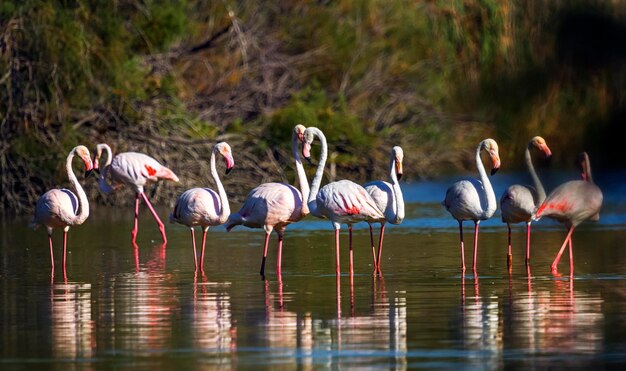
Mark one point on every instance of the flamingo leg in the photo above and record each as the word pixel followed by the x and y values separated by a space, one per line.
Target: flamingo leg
pixel 351 253
pixel 462 249
pixel 202 253
pixel 373 248
pixel 195 255
pixel 527 243
pixel 571 258
pixel 51 252
pixel 509 256
pixel 135 228
pixel 558 256
pixel 267 240
pixel 337 268
pixel 380 247
pixel 476 223
pixel 279 258
pixel 64 253
pixel 156 217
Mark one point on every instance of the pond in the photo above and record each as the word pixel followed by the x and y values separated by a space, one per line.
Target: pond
pixel 128 307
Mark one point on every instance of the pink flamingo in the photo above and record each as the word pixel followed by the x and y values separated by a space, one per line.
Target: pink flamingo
pixel 135 170
pixel 473 199
pixel 388 198
pixel 203 206
pixel 58 208
pixel 342 201
pixel 572 203
pixel 518 202
pixel 273 206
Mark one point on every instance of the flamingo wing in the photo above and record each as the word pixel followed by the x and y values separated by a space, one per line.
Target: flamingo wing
pixel 137 169
pixel 463 199
pixel 384 198
pixel 197 206
pixel 347 202
pixel 518 203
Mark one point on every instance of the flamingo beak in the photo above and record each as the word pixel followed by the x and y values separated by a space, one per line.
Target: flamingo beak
pixel 230 163
pixel 306 151
pixel 399 169
pixel 544 148
pixel 88 173
pixel 495 158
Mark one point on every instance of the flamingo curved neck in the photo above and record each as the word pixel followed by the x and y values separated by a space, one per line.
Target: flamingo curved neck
pixel 541 192
pixel 102 183
pixel 82 197
pixel 225 206
pixel 319 172
pixel 397 191
pixel 489 204
pixel 304 182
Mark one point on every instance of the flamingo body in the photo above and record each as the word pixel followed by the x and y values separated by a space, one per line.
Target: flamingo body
pixel 269 204
pixel 473 199
pixel 273 206
pixel 61 208
pixel 572 203
pixel 137 169
pixel 518 202
pixel 204 206
pixel 134 170
pixel 389 199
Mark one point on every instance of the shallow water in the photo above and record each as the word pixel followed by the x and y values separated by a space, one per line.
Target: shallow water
pixel 130 308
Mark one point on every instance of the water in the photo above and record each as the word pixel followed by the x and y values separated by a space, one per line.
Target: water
pixel 136 308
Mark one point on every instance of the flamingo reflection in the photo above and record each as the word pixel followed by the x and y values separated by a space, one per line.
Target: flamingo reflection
pixel 73 330
pixel 213 327
pixel 560 320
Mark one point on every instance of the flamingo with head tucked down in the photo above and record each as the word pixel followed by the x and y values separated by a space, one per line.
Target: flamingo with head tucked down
pixel 473 199
pixel 342 201
pixel 518 202
pixel 135 170
pixel 59 208
pixel 572 203
pixel 273 206
pixel 388 198
pixel 203 206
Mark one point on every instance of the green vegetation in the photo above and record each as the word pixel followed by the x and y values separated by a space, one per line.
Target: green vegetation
pixel 171 78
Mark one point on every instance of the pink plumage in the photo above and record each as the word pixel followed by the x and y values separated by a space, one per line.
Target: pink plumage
pixel 518 201
pixel 572 203
pixel 203 206
pixel 273 206
pixel 60 208
pixel 343 201
pixel 135 170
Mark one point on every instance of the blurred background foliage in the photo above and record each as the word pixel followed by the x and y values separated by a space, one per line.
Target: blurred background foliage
pixel 172 78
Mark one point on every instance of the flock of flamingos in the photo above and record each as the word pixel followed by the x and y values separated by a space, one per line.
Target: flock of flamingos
pixel 273 206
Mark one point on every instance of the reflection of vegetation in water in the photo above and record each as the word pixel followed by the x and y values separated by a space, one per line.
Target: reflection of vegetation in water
pixel 169 79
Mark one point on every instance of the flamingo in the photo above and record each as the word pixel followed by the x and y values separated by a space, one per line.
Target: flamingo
pixel 473 199
pixel 343 201
pixel 518 202
pixel 203 206
pixel 273 206
pixel 59 208
pixel 135 170
pixel 572 203
pixel 388 198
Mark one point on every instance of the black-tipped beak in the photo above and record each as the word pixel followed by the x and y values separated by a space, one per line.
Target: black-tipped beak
pixel 88 172
pixel 399 176
pixel 229 169
pixel 494 170
pixel 96 170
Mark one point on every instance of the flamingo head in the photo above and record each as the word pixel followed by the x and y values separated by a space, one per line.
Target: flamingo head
pixel 307 139
pixel 398 156
pixel 299 130
pixel 82 152
pixel 491 147
pixel 540 143
pixel 96 157
pixel 224 149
